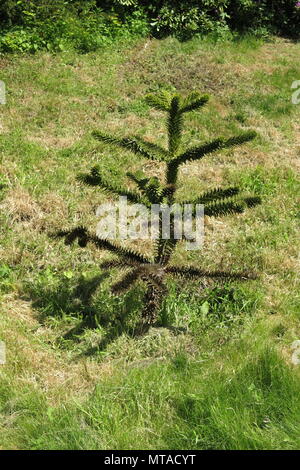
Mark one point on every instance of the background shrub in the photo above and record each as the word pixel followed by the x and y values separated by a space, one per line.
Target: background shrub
pixel 185 18
pixel 29 25
pixel 277 16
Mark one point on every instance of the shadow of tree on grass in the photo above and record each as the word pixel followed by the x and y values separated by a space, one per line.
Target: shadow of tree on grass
pixel 89 304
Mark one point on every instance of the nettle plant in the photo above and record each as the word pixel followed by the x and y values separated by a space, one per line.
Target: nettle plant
pixel 154 270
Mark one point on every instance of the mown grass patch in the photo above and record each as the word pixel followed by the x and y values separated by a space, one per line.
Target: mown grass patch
pixel 215 371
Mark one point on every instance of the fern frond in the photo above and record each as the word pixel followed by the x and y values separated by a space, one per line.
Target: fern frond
pixel 231 207
pixel 194 101
pixel 120 264
pixel 252 201
pixel 160 101
pixel 175 122
pixel 196 153
pixel 150 187
pixel 95 179
pixel 239 139
pixel 83 236
pixel 127 143
pixel 190 273
pixel 216 194
pixel 158 152
pixel 224 208
pixel 118 250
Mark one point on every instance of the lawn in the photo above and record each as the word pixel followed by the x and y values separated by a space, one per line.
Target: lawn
pixel 216 371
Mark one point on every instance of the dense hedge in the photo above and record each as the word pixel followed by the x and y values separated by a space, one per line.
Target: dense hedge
pixel 29 25
pixel 278 16
pixel 191 16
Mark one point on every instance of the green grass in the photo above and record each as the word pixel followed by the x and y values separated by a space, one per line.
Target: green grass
pixel 169 405
pixel 215 372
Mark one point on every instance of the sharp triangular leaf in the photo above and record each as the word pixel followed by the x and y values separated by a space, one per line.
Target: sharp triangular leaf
pixel 252 201
pixel 215 195
pixel 158 152
pixel 128 143
pixel 175 122
pixel 95 179
pixel 194 101
pixel 160 101
pixel 189 272
pixel 224 208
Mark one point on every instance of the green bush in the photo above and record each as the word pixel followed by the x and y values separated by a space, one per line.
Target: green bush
pixel 280 16
pixel 84 28
pixel 185 18
pixel 184 22
pixel 29 25
pixel 22 12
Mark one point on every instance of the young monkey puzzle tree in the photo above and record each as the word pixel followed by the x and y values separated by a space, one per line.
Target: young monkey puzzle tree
pixel 217 202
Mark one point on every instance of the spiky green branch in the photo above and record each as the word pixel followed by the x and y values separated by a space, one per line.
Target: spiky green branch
pixel 217 202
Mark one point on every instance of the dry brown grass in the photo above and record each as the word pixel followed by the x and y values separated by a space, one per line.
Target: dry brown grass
pixel 32 353
pixel 32 210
